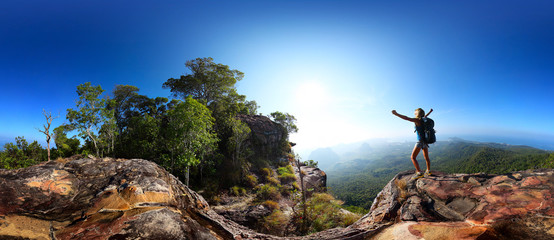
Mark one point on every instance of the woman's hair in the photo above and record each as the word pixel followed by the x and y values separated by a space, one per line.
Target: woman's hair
pixel 420 113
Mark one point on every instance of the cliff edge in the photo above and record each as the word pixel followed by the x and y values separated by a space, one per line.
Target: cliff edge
pixel 136 199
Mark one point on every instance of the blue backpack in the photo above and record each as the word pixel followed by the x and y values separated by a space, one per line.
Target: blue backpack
pixel 428 130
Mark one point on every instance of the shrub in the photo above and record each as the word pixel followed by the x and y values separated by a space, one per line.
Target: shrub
pixel 238 191
pixel 251 180
pixel 273 180
pixel 275 223
pixel 266 172
pixel 268 192
pixel 286 174
pixel 287 178
pixel 311 163
pixel 296 186
pixel 289 167
pixel 323 212
pixel 348 219
pixel 284 170
pixel 271 204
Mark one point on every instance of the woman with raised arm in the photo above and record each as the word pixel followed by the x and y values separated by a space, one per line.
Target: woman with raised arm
pixel 419 114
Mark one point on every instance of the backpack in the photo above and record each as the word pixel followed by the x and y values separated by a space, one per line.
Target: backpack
pixel 428 130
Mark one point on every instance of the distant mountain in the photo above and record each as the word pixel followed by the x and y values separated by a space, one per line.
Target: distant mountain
pixel 357 181
pixel 325 157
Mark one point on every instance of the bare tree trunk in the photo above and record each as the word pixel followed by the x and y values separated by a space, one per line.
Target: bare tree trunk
pixel 187 176
pixel 304 219
pixel 93 141
pixel 46 131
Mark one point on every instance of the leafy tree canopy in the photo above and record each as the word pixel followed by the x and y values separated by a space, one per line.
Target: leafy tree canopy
pixel 208 81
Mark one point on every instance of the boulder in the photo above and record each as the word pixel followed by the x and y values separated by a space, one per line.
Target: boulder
pixel 314 179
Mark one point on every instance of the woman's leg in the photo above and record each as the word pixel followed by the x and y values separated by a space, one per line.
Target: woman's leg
pixel 426 156
pixel 415 152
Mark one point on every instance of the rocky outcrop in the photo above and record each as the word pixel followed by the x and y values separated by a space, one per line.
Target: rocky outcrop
pixel 106 199
pixel 135 199
pixel 464 206
pixel 267 138
pixel 315 180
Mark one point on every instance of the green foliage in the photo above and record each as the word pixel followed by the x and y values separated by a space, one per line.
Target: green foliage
pixel 311 163
pixel 323 212
pixel 286 174
pixel 275 223
pixel 286 120
pixel 208 81
pixel 238 191
pixel 355 209
pixel 66 147
pixel 21 154
pixel 88 117
pixel 237 145
pixel 268 192
pixel 251 180
pixel 549 163
pixel 266 172
pixel 272 180
pixel 189 133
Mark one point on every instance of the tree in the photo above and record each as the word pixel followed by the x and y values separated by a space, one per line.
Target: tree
pixel 108 131
pixel 46 131
pixel 208 81
pixel 65 147
pixel 21 154
pixel 189 134
pixel 237 145
pixel 88 116
pixel 125 97
pixel 286 120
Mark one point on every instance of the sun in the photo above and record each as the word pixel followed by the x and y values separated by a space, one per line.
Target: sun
pixel 311 95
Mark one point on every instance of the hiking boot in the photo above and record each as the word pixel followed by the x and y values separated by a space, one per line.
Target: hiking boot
pixel 417 175
pixel 428 173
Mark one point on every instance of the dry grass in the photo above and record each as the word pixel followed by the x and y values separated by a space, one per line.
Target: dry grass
pixel 402 188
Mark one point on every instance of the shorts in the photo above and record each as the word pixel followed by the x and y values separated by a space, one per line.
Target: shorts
pixel 421 145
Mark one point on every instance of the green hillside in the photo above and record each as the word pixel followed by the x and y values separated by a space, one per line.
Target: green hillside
pixel 357 182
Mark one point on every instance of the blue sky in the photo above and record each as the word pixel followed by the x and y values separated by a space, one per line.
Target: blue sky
pixel 340 67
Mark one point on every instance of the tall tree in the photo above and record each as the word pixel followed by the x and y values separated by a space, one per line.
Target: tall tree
pixel 46 130
pixel 189 134
pixel 207 81
pixel 125 97
pixel 108 131
pixel 237 145
pixel 88 118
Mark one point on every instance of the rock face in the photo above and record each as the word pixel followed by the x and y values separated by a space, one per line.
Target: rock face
pixel 464 206
pixel 106 199
pixel 267 138
pixel 315 180
pixel 135 199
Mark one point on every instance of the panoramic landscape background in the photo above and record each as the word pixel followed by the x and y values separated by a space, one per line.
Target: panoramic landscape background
pixel 338 67
pixel 246 102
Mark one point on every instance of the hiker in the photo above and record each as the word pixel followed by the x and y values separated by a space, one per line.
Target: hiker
pixel 419 114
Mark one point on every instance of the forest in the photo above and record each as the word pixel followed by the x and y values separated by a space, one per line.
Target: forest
pixel 357 182
pixel 196 135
